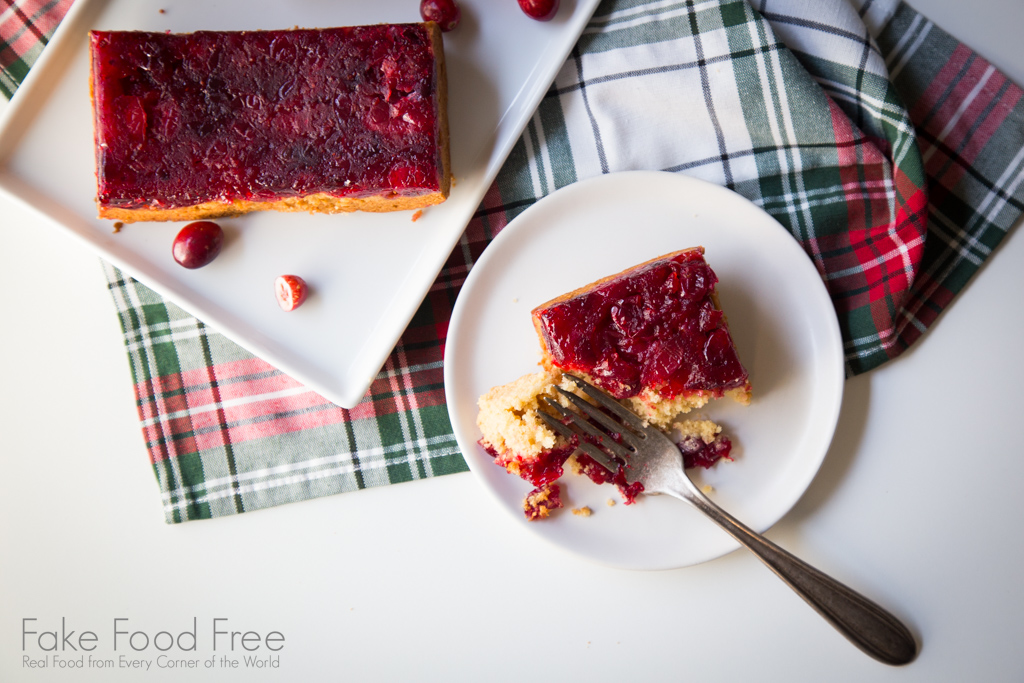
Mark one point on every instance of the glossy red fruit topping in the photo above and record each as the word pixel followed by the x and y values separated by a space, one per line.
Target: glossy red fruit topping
pixel 197 244
pixel 185 119
pixel 655 326
pixel 541 10
pixel 291 291
pixel 696 453
pixel 541 501
pixel 445 13
pixel 544 468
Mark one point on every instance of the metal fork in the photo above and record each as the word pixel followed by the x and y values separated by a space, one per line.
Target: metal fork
pixel 650 457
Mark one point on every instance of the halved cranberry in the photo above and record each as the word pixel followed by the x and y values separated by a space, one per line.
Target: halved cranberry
pixel 291 291
pixel 197 244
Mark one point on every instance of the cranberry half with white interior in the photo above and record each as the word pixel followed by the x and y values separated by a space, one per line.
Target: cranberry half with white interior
pixel 291 291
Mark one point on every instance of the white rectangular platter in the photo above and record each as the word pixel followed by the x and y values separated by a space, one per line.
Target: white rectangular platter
pixel 368 273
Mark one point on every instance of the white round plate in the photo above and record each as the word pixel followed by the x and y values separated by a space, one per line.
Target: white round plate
pixel 779 314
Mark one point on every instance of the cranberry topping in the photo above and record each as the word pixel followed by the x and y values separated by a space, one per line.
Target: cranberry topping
pixel 544 468
pixel 541 501
pixel 654 326
pixel 696 453
pixel 600 475
pixel 263 115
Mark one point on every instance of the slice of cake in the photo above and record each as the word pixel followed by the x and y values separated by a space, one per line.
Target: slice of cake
pixel 213 123
pixel 654 337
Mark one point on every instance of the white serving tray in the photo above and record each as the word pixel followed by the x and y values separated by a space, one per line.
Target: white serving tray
pixel 368 273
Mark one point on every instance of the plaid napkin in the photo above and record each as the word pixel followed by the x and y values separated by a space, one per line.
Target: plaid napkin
pixel 25 28
pixel 893 153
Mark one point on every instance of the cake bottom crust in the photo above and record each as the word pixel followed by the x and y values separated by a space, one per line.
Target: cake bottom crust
pixel 314 203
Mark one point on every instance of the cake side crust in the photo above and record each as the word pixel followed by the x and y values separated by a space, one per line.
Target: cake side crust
pixel 315 203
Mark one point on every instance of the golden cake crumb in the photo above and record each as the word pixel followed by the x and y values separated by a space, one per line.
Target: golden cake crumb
pixel 659 411
pixel 705 430
pixel 582 512
pixel 417 215
pixel 508 416
pixel 610 502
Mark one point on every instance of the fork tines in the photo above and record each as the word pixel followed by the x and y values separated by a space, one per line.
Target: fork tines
pixel 630 431
pixel 575 428
pixel 609 403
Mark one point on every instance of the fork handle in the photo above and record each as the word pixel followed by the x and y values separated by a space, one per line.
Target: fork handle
pixel 870 627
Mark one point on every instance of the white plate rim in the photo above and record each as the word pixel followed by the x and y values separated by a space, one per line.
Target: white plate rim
pixel 612 188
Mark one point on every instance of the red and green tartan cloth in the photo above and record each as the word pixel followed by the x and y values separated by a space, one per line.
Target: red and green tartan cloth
pixel 891 151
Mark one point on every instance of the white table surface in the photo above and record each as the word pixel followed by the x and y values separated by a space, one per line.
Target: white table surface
pixel 917 505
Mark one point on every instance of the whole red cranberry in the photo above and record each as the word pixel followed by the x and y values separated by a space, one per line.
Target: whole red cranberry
pixel 197 244
pixel 541 10
pixel 445 13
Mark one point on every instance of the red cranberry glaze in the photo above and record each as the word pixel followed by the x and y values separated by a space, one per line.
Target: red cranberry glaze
pixel 542 469
pixel 696 453
pixel 541 501
pixel 654 326
pixel 183 119
pixel 601 475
